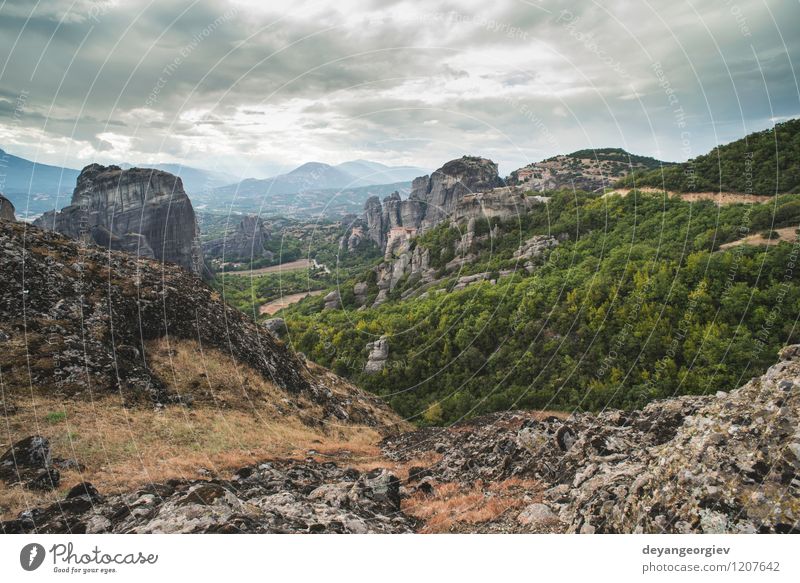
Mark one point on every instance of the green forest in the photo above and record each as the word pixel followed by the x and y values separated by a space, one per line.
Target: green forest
pixel 638 302
pixel 766 163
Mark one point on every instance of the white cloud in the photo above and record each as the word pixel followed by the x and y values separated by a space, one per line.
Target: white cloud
pixel 396 81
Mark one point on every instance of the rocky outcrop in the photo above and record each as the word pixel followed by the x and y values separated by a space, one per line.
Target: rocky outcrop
pixel 247 242
pixel 75 322
pixel 589 170
pixel 28 462
pixel 141 211
pixel 6 209
pixel 360 291
pixel 276 326
pixel 332 300
pixel 407 261
pixel 378 355
pixel 441 194
pixel 533 249
pixel 272 497
pixel 457 191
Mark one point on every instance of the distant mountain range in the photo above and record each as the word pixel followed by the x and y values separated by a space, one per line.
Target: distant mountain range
pixel 313 176
pixel 35 188
pixel 194 180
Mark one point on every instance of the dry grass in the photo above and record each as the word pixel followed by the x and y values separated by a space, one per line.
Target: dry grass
pixel 276 306
pixel 454 507
pixel 297 265
pixel 238 419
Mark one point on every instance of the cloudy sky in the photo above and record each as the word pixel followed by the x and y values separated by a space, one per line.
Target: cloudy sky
pixel 254 87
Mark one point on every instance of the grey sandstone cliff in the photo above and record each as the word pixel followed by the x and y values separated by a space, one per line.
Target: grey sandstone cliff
pixel 464 188
pixel 141 211
pixel 246 242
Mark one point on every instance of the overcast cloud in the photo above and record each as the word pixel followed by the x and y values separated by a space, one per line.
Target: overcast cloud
pixel 257 87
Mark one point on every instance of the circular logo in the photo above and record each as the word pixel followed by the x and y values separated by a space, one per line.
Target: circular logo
pixel 31 556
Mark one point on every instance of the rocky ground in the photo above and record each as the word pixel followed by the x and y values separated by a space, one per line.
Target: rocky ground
pixel 721 463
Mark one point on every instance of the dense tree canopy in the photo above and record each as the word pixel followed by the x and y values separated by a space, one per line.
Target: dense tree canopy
pixel 638 302
pixel 765 163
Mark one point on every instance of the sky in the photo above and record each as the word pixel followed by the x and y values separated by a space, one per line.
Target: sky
pixel 254 88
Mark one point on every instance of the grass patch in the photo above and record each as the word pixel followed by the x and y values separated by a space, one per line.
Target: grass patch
pixel 55 417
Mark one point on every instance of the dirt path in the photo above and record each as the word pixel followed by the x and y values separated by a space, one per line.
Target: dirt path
pixel 784 234
pixel 275 305
pixel 721 198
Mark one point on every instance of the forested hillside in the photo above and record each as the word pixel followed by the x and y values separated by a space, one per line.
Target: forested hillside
pixel 637 302
pixel 765 162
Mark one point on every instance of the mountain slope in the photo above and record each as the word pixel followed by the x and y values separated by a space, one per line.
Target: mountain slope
pixel 765 163
pixel 367 172
pixel 591 170
pixel 34 188
pixel 107 305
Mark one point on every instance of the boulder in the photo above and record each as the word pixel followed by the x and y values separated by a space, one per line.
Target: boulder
pixel 28 462
pixel 332 301
pixel 360 291
pixel 537 516
pixel 276 326
pixel 378 355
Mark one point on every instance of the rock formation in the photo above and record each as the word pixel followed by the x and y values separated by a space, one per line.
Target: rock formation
pixel 277 326
pixel 465 188
pixel 6 209
pixel 332 301
pixel 246 243
pixel 272 497
pixel 141 211
pixel 28 462
pixel 534 248
pixel 589 170
pixel 378 355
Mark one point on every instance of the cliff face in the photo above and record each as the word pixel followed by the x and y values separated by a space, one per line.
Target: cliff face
pixel 139 211
pixel 454 192
pixel 6 209
pixel 245 243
